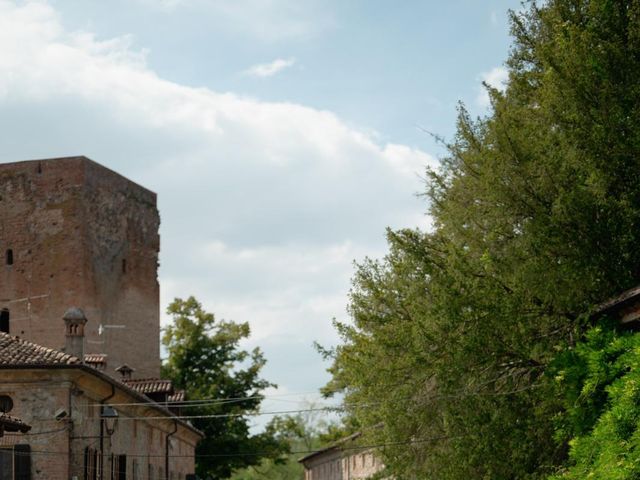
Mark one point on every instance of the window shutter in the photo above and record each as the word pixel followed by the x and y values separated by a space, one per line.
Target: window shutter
pixel 122 467
pixel 86 464
pixel 22 459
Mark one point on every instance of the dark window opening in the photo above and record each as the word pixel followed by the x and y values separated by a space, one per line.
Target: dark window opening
pixel 39 168
pixel 119 467
pixel 6 463
pixel 91 465
pixel 9 257
pixel 124 265
pixel 15 462
pixel 22 461
pixel 4 320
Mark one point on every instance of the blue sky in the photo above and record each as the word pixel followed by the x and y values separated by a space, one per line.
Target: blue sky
pixel 378 64
pixel 282 136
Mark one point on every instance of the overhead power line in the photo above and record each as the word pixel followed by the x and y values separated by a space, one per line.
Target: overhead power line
pixel 229 415
pixel 211 400
pixel 270 453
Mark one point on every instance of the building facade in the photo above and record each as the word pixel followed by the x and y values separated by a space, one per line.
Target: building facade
pixel 73 232
pixel 344 460
pixel 85 425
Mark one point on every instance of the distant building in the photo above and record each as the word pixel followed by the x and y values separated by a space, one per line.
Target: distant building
pixel 73 232
pixel 625 307
pixel 84 424
pixel 344 460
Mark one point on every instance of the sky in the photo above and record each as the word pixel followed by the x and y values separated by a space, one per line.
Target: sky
pixel 282 137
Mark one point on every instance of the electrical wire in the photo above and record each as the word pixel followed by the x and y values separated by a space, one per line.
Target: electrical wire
pixel 231 415
pixel 211 400
pixel 267 453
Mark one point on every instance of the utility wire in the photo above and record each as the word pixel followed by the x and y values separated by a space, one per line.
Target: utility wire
pixel 213 400
pixel 336 408
pixel 228 415
pixel 268 453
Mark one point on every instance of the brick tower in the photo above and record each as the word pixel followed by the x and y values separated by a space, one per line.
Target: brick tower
pixel 76 234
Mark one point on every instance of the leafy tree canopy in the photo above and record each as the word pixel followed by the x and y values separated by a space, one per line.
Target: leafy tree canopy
pixel 536 216
pixel 204 359
pixel 600 379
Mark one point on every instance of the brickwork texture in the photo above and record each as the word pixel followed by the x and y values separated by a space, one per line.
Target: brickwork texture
pixel 74 233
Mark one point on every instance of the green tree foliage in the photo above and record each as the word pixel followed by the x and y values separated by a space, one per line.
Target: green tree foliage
pixel 600 379
pixel 536 218
pixel 205 360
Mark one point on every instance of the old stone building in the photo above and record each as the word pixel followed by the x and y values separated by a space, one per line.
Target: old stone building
pixel 80 393
pixel 73 232
pixel 84 424
pixel 344 460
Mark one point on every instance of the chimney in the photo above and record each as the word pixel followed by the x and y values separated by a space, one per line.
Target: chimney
pixel 126 371
pixel 75 320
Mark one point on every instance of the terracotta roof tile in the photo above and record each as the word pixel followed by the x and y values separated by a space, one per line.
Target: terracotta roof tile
pixel 16 351
pixel 178 396
pixel 95 358
pixel 150 385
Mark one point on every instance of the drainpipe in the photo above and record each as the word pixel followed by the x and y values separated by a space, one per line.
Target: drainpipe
pixel 70 429
pixel 166 449
pixel 113 392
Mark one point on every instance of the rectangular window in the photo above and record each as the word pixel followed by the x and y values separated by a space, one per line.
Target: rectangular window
pixel 22 462
pixel 91 464
pixel 4 320
pixel 6 463
pixel 122 467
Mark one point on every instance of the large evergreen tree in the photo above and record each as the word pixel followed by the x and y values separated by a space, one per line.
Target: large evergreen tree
pixel 536 213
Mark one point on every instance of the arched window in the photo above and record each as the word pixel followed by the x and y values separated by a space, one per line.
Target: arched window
pixel 9 256
pixel 4 320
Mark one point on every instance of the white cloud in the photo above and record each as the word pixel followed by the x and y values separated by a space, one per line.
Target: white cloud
pixel 267 20
pixel 163 4
pixel 497 78
pixel 263 204
pixel 269 69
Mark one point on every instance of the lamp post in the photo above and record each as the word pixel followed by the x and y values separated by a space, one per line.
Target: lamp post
pixel 109 417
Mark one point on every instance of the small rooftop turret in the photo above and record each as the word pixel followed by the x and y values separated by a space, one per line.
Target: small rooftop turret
pixel 75 321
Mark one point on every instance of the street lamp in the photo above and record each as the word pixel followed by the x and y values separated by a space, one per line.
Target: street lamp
pixel 109 416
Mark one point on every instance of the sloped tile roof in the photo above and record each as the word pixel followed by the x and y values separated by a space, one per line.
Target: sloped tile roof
pixel 178 396
pixel 150 385
pixel 16 351
pixel 95 358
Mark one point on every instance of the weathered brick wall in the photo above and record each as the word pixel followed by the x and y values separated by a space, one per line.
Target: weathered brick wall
pixel 81 235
